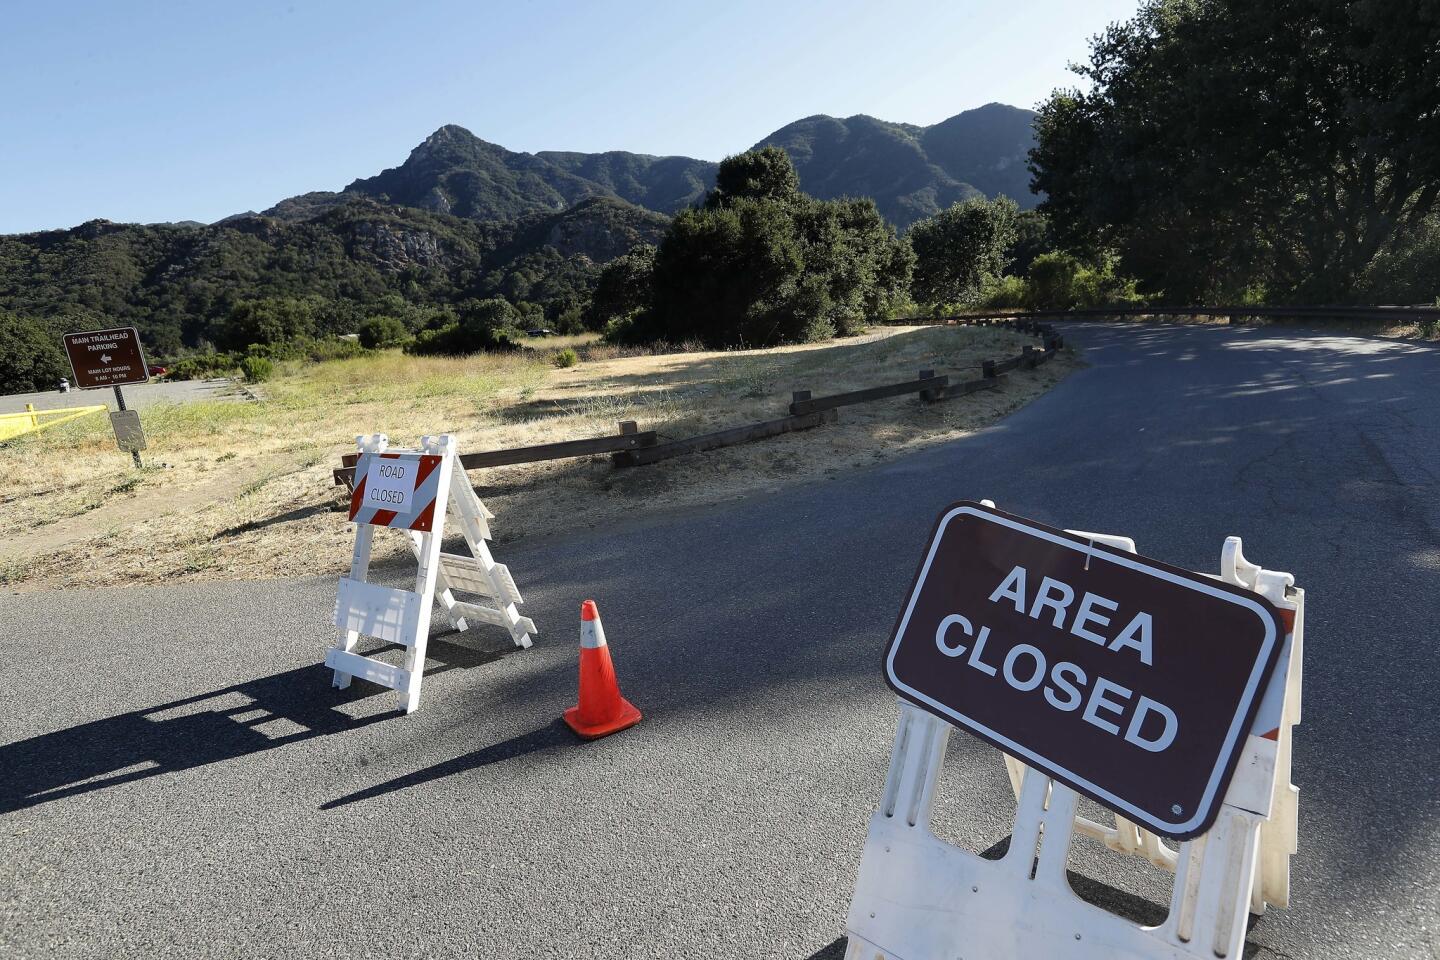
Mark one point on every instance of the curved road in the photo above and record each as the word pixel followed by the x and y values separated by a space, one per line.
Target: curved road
pixel 177 777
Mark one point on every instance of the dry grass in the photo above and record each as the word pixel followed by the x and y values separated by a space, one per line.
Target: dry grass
pixel 245 490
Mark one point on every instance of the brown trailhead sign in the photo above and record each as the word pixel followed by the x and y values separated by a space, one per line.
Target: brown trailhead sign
pixel 106 358
pixel 1132 681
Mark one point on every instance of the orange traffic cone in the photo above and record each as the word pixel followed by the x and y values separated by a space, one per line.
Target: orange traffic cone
pixel 601 709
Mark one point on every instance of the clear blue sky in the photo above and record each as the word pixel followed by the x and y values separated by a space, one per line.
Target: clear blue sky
pixel 147 111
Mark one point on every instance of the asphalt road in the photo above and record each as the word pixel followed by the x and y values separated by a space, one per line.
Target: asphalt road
pixel 137 397
pixel 177 778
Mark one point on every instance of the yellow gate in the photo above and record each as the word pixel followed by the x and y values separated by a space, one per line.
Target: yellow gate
pixel 15 424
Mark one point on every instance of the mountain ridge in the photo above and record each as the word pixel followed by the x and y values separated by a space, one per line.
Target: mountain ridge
pixel 910 171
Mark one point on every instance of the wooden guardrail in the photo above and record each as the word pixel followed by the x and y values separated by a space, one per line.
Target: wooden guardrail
pixel 629 438
pixel 967 387
pixel 725 438
pixel 1333 312
pixel 632 447
pixel 931 389
pixel 802 402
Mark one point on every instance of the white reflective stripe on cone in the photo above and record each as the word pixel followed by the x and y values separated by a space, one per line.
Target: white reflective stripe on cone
pixel 592 634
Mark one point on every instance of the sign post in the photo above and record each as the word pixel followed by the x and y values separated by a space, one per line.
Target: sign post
pixel 127 427
pixel 111 358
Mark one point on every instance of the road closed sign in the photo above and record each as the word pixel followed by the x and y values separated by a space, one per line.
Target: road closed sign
pixel 1130 680
pixel 395 489
pixel 106 358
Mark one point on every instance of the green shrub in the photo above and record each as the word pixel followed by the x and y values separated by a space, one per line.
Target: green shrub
pixel 439 340
pixel 570 321
pixel 480 326
pixel 1004 293
pixel 455 340
pixel 1407 270
pixel 957 250
pixel 204 365
pixel 565 358
pixel 621 329
pixel 1060 281
pixel 307 348
pixel 331 348
pixel 256 369
pixel 268 320
pixel 382 331
pixel 622 288
pixel 1053 281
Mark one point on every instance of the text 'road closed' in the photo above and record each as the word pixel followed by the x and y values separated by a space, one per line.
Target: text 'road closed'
pixel 1126 678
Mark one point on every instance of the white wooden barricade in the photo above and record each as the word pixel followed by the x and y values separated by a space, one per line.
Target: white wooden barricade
pixel 403 616
pixel 918 897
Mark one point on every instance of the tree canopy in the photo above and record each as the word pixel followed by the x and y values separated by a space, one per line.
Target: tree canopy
pixel 764 264
pixel 622 289
pixel 474 326
pixel 763 174
pixel 959 249
pixel 1227 147
pixel 30 355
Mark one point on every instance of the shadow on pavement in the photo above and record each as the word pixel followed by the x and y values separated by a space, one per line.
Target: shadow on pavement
pixel 831 951
pixel 836 950
pixel 207 728
pixel 549 737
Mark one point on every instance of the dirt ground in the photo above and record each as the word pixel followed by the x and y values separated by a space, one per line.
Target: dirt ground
pixel 243 490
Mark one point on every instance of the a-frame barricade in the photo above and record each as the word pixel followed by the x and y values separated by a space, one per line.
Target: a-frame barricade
pixel 414 495
pixel 918 897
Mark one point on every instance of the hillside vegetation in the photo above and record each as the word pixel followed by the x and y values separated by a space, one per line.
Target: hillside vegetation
pixel 179 283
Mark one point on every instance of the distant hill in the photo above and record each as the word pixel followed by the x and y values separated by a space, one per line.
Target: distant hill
pixel 456 172
pixel 910 171
pixel 174 281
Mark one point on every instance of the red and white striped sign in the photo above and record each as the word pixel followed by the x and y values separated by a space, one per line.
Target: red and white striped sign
pixel 396 490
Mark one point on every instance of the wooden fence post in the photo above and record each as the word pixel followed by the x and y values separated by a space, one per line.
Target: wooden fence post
pixel 620 458
pixel 927 396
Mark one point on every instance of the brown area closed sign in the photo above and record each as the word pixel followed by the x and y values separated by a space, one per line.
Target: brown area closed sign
pixel 1128 679
pixel 106 358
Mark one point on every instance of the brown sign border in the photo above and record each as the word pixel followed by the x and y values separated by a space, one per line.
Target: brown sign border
pixel 139 348
pixel 1261 673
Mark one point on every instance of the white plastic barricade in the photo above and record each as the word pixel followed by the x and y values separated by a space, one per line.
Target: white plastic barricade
pixel 918 897
pixel 1268 745
pixel 410 490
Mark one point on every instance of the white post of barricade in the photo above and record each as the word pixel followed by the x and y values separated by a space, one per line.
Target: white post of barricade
pixel 1272 733
pixel 918 897
pixel 413 497
pixel 429 565
pixel 359 559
